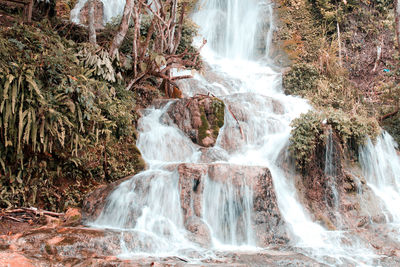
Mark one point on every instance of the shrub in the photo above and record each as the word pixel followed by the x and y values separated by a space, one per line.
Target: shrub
pixel 300 79
pixel 59 126
pixel 308 131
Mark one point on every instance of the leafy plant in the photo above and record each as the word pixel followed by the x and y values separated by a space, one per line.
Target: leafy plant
pixel 59 125
pixel 99 63
pixel 300 79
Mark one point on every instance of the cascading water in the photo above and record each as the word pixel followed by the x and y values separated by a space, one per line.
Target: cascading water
pixel 381 166
pixel 227 210
pixel 331 173
pixel 148 206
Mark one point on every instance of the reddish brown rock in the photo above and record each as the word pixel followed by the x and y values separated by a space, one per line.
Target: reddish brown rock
pixel 268 223
pixel 191 186
pixel 95 201
pixel 14 259
pixel 73 216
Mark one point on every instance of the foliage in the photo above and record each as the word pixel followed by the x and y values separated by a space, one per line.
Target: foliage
pixel 99 63
pixel 61 128
pixel 339 81
pixel 300 79
pixel 331 10
pixel 308 132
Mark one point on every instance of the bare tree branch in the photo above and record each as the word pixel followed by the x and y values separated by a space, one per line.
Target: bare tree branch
pixel 123 28
pixel 92 30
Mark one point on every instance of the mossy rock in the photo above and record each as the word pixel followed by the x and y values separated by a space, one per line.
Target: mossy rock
pixel 199 117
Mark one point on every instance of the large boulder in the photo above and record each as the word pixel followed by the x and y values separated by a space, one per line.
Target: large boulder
pixel 268 222
pixel 199 117
pixel 200 232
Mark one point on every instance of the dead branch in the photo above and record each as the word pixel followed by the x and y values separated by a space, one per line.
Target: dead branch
pixel 27 214
pixel 233 115
pixel 389 115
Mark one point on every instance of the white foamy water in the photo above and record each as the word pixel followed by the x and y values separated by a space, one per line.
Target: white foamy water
pixel 148 206
pixel 381 167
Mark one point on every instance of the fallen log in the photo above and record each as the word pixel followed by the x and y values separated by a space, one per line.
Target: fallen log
pixel 27 214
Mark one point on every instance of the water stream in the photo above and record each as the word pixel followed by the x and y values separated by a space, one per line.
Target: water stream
pixel 238 71
pixel 381 166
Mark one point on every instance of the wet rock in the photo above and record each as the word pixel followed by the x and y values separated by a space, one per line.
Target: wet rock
pixel 73 217
pixel 200 232
pixel 199 117
pixel 269 225
pixel 95 200
pixel 191 186
pixel 240 126
pixel 98 14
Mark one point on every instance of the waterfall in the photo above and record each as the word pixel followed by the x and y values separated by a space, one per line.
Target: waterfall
pixel 330 170
pixel 381 167
pixel 237 71
pixel 227 210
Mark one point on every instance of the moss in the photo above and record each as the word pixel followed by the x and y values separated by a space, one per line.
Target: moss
pixel 204 125
pixel 307 132
pixel 218 109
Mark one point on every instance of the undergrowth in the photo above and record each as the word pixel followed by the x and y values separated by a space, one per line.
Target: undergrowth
pixel 63 127
pixel 331 48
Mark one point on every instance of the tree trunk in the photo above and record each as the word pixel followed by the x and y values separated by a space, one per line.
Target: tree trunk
pixel 136 38
pixel 397 17
pixel 92 30
pixel 123 28
pixel 174 10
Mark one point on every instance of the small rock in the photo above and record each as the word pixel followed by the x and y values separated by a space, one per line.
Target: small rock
pixel 208 141
pixel 73 216
pixel 201 232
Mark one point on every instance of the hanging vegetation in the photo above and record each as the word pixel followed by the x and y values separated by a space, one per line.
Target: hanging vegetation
pixel 309 132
